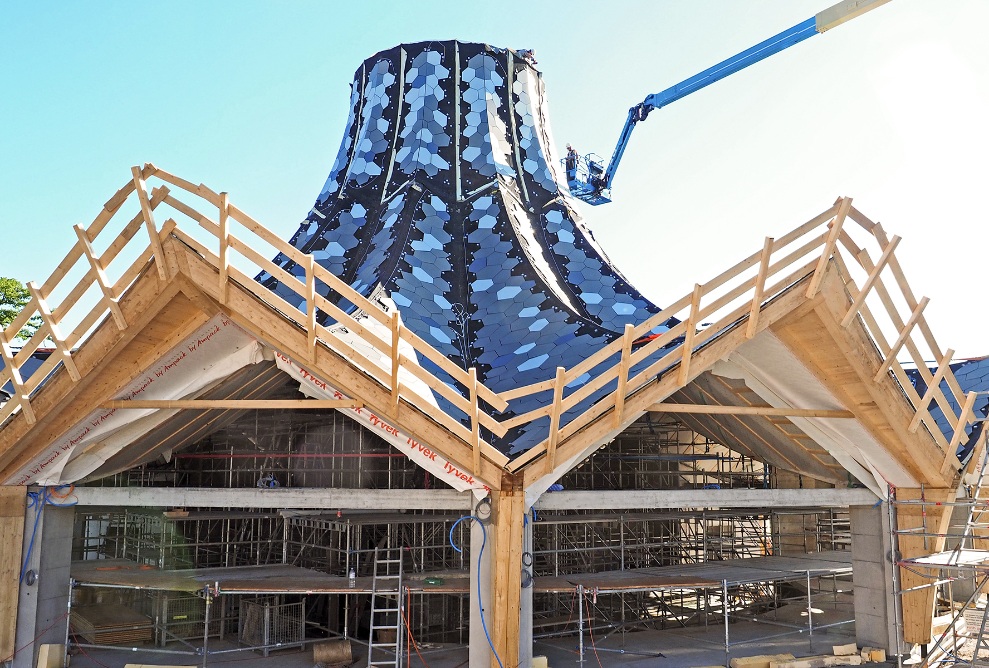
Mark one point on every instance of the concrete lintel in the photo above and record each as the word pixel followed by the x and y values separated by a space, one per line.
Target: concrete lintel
pixel 706 498
pixel 285 497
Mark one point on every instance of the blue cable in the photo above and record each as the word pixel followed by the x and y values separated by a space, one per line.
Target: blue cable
pixel 484 541
pixel 38 500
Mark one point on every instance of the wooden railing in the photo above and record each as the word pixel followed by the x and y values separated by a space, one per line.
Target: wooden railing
pixel 733 299
pixel 727 302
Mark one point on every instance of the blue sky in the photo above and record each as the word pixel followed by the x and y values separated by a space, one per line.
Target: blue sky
pixel 250 98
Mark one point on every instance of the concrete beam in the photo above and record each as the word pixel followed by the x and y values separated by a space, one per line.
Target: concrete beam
pixel 285 497
pixel 705 498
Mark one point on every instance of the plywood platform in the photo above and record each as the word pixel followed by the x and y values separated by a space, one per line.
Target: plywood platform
pixel 286 579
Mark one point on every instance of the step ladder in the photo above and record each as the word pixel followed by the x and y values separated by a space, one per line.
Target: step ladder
pixel 385 643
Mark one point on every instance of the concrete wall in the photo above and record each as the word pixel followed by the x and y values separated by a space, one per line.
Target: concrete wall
pixel 872 576
pixel 41 607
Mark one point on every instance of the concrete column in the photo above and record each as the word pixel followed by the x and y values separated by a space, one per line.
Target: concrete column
pixel 41 606
pixel 525 603
pixel 479 653
pixel 872 577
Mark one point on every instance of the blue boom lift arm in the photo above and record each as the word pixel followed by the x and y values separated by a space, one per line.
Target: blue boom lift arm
pixel 591 182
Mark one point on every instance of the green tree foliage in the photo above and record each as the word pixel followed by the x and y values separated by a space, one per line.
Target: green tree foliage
pixel 13 297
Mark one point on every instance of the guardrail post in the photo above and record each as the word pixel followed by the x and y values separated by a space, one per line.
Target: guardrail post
pixel 623 368
pixel 149 222
pixel 760 287
pixel 829 246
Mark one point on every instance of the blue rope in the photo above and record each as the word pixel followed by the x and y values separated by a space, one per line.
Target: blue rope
pixel 484 541
pixel 38 501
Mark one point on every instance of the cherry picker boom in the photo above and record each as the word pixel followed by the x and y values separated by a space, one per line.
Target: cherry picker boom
pixel 589 179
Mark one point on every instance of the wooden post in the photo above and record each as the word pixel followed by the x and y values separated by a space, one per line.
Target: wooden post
pixel 942 368
pixel 870 282
pixel 101 279
pixel 311 305
pixel 688 338
pixel 13 501
pixel 149 222
pixel 225 245
pixel 509 514
pixel 623 368
pixel 20 394
pixel 554 417
pixel 916 526
pixel 901 339
pixel 760 287
pixel 964 418
pixel 829 246
pixel 53 332
pixel 475 420
pixel 396 336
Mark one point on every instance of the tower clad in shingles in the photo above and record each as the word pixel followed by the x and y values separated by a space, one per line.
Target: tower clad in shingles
pixel 445 200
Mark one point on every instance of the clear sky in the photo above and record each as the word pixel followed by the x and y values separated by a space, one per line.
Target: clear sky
pixel 250 97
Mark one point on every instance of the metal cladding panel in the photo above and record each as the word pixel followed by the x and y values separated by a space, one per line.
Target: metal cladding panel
pixel 446 200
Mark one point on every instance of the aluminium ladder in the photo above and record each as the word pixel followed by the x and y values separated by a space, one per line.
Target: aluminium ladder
pixel 385 644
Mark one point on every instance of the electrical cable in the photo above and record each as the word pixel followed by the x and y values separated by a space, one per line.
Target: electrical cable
pixel 43 631
pixel 408 629
pixel 484 541
pixel 38 500
pixel 590 630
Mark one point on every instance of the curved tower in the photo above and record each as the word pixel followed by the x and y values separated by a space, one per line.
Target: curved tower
pixel 446 200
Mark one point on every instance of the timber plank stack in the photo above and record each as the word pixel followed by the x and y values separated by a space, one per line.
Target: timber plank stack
pixel 111 624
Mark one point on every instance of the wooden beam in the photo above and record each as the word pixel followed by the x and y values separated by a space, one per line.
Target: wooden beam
pixel 233 404
pixel 760 286
pixel 913 521
pixel 751 410
pixel 13 501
